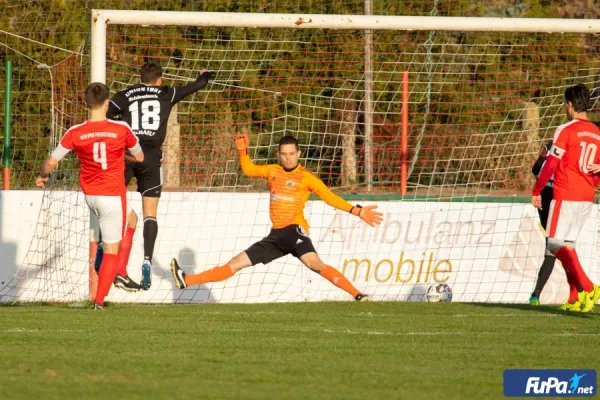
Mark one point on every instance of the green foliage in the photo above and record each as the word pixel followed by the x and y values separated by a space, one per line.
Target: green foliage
pixel 467 90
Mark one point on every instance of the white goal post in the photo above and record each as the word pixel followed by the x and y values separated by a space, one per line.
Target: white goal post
pixel 516 147
pixel 102 18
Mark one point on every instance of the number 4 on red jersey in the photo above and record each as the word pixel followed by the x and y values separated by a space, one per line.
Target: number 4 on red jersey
pixel 100 147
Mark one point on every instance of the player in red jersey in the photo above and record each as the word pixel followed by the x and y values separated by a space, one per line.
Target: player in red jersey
pixel 572 160
pixel 100 145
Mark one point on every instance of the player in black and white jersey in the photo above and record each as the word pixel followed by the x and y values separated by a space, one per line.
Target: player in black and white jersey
pixel 547 195
pixel 146 108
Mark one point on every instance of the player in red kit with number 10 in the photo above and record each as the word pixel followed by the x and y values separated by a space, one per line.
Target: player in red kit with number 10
pixel 573 160
pixel 100 145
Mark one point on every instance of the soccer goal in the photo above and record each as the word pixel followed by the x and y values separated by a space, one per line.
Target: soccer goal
pixel 437 120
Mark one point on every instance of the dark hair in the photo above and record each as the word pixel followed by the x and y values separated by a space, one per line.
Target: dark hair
pixel 579 96
pixel 288 140
pixel 150 72
pixel 96 94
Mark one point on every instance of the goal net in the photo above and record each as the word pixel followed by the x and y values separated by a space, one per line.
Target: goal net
pixel 480 104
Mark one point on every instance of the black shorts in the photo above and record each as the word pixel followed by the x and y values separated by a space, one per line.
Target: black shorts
pixel 547 194
pixel 289 240
pixel 148 174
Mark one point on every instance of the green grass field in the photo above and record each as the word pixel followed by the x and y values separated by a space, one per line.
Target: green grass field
pixel 287 351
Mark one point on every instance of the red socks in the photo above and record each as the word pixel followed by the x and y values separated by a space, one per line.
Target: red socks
pixel 573 292
pixel 215 274
pixel 125 250
pixel 334 276
pixel 570 261
pixel 108 271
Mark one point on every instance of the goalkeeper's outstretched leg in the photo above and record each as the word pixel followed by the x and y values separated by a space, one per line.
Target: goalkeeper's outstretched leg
pixel 291 239
pixel 314 262
pixel 216 274
pixel 223 272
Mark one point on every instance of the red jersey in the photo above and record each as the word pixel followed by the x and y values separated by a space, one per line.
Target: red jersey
pixel 100 147
pixel 576 145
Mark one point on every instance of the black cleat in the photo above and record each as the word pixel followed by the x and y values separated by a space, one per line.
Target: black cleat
pixel 97 306
pixel 126 283
pixel 362 297
pixel 178 275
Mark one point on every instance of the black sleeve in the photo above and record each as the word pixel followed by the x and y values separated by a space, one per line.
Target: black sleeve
pixel 116 107
pixel 179 93
pixel 537 166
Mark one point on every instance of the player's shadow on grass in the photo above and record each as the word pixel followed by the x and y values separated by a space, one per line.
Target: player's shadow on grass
pixel 187 260
pixel 553 310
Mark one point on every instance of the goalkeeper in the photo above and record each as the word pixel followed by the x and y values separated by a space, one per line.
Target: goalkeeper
pixel 290 185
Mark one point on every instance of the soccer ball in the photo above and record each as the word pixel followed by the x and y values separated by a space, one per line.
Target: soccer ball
pixel 439 293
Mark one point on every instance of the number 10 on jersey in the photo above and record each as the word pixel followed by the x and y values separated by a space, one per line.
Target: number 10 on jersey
pixel 587 156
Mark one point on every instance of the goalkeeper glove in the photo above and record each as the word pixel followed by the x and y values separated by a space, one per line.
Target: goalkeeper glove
pixel 367 214
pixel 242 143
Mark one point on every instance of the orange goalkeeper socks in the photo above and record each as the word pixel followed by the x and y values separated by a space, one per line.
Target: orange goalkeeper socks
pixel 215 274
pixel 334 276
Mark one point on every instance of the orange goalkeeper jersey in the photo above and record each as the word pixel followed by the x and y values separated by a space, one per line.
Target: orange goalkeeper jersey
pixel 290 191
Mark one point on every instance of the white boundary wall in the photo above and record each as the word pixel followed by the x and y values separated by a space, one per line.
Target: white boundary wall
pixel 484 251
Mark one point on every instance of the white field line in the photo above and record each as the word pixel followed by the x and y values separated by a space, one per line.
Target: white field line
pixel 510 315
pixel 335 332
pixel 26 330
pixel 418 333
pixel 575 334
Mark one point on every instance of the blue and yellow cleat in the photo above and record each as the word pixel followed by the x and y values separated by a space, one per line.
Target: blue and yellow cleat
pixel 591 298
pixel 146 275
pixel 534 301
